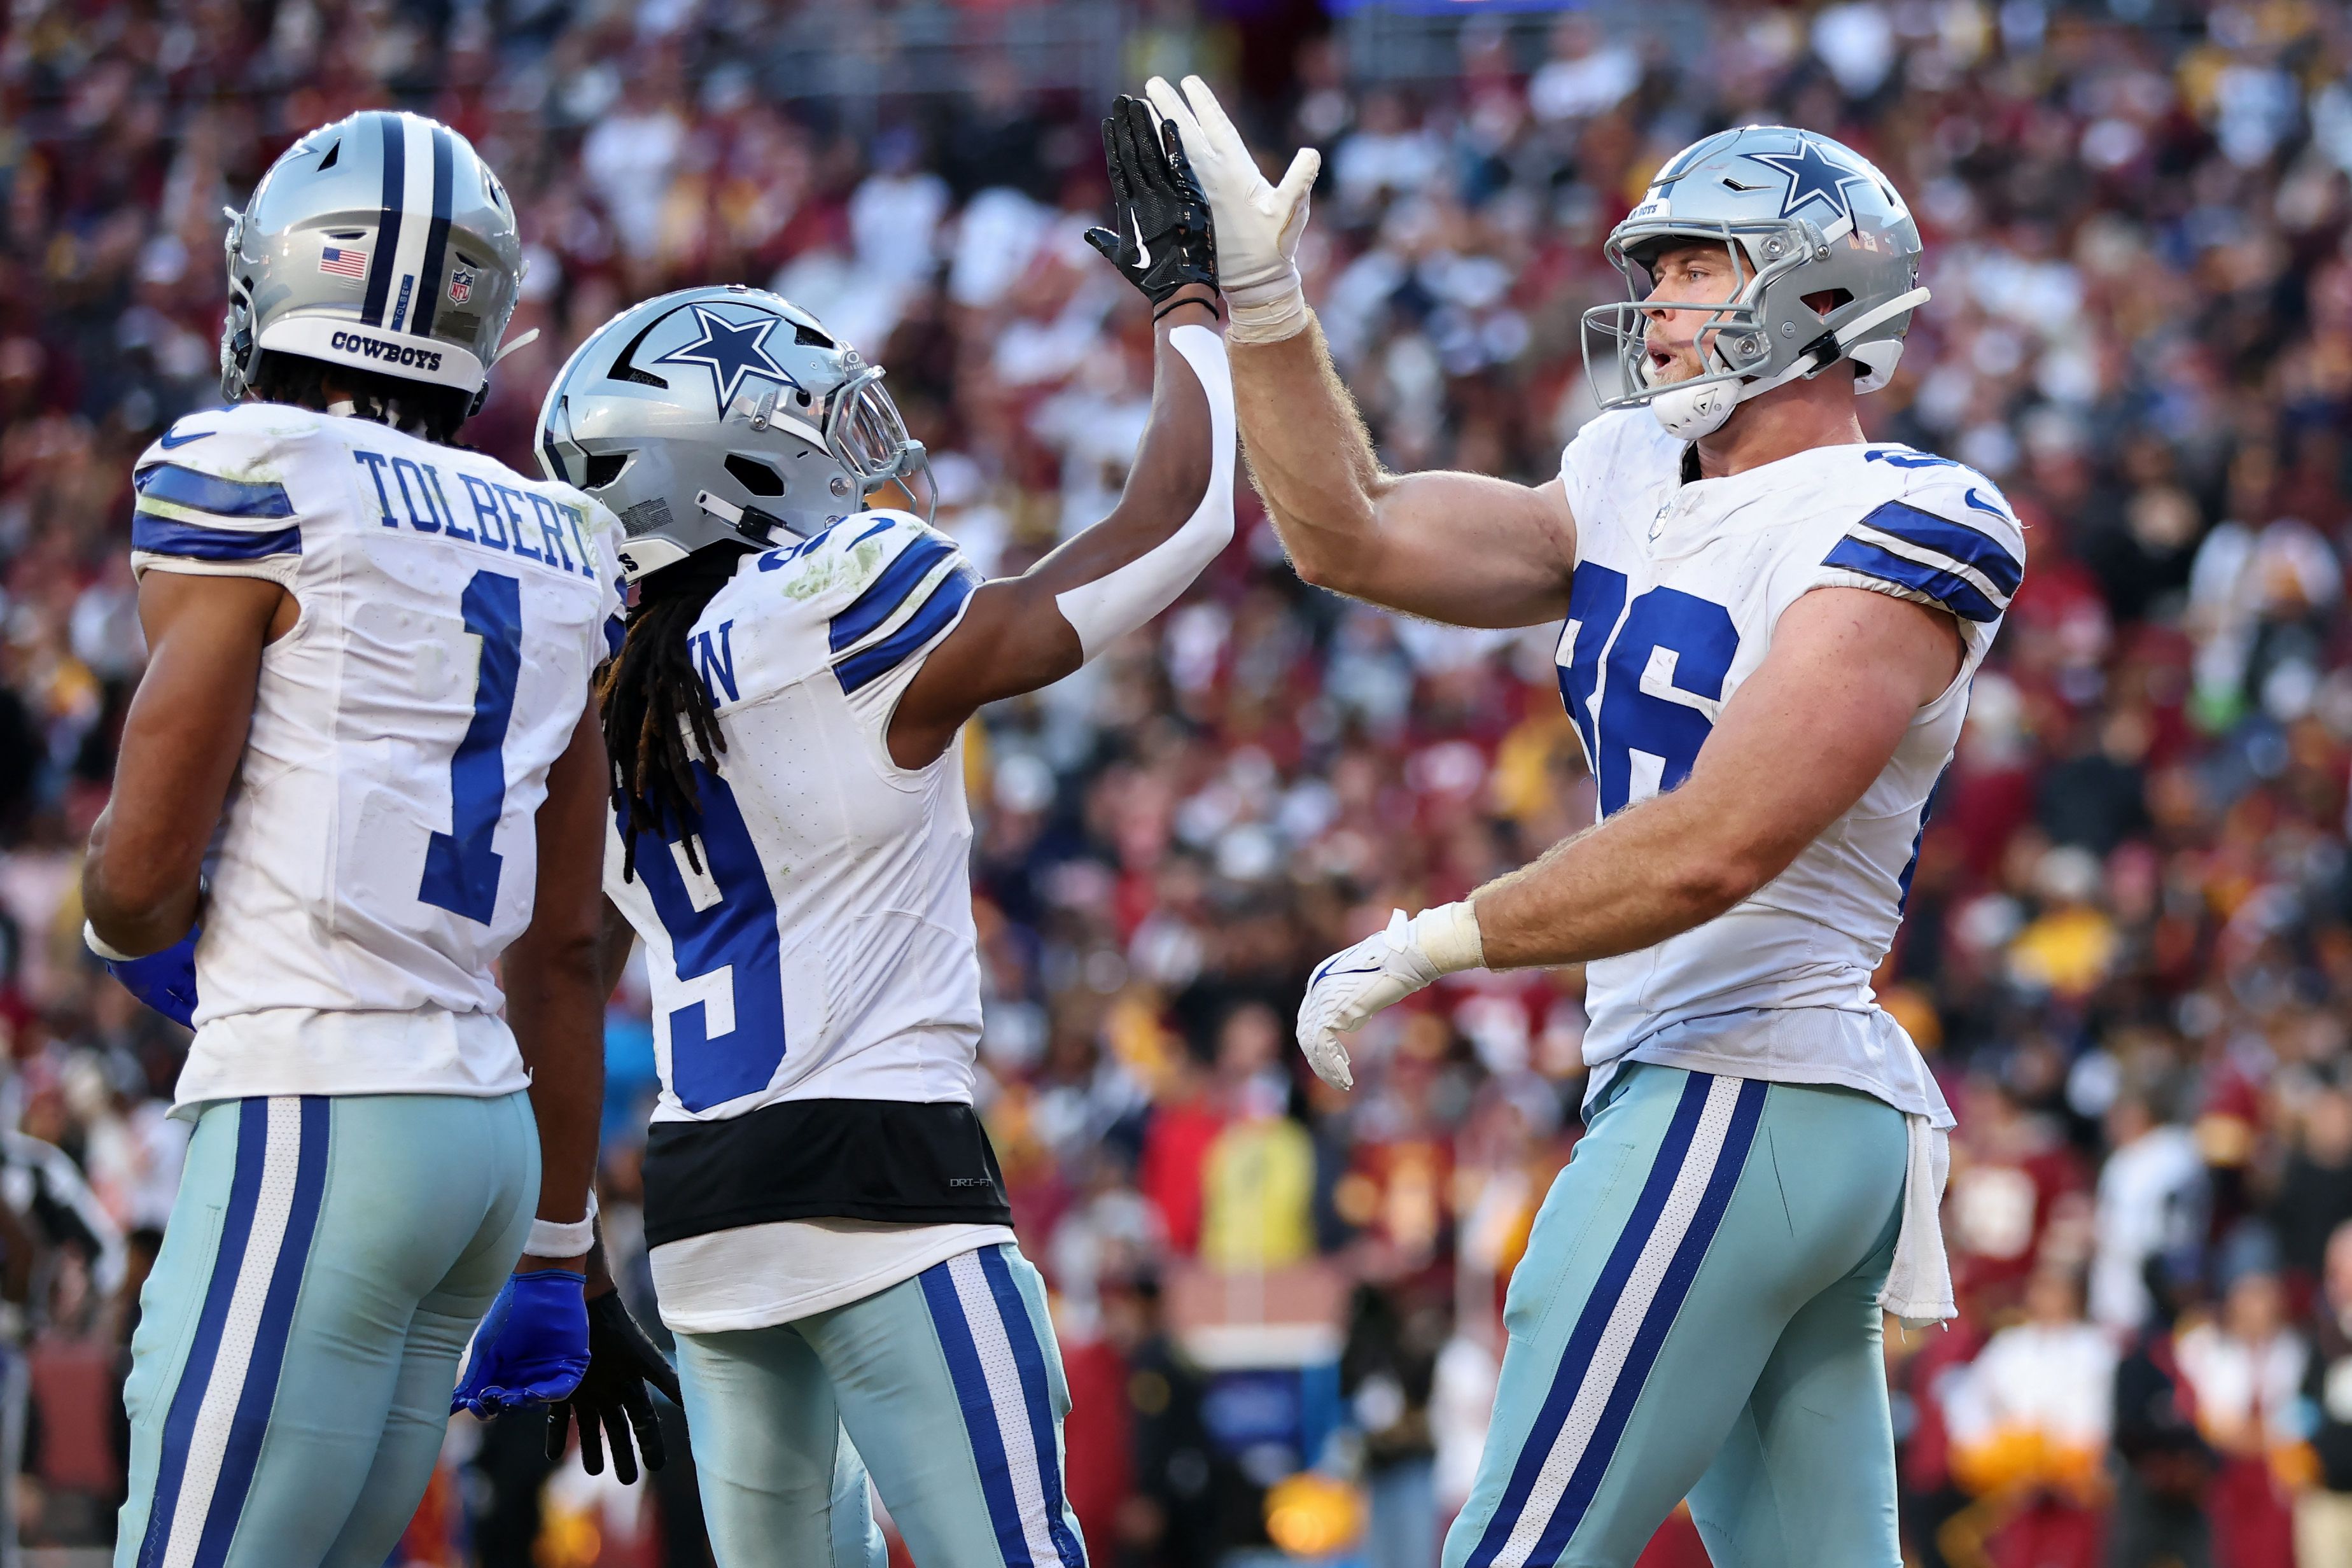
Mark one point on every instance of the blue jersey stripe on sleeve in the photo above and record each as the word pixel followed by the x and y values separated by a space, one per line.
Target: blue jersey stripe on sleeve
pixel 873 663
pixel 200 491
pixel 1950 589
pixel 1980 552
pixel 167 536
pixel 888 592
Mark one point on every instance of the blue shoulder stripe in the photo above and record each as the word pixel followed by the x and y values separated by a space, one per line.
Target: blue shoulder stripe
pixel 1978 550
pixel 1950 589
pixel 168 536
pixel 200 491
pixel 888 592
pixel 872 664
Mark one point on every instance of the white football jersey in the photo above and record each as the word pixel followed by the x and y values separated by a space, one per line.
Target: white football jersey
pixel 823 946
pixel 378 849
pixel 1678 588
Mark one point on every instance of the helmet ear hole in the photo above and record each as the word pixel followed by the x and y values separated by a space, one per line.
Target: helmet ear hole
pixel 604 467
pixel 758 477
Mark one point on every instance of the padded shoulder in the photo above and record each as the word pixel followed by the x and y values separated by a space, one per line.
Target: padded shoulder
pixel 216 491
pixel 865 598
pixel 1928 529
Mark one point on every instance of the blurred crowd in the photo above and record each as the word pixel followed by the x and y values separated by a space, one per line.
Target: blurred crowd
pixel 2129 945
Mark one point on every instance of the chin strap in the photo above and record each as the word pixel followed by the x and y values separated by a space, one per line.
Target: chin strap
pixel 515 343
pixel 1689 412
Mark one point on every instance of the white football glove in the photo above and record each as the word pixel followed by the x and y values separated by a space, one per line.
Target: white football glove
pixel 1381 971
pixel 1257 225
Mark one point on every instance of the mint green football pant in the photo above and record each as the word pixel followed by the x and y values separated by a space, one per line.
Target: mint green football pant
pixel 326 1261
pixel 948 1384
pixel 1695 1316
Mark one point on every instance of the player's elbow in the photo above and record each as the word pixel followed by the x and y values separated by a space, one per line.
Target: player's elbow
pixel 1716 878
pixel 572 957
pixel 127 898
pixel 1319 571
pixel 1335 570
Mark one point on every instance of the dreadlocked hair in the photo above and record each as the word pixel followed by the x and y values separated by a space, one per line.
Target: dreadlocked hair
pixel 652 702
pixel 418 407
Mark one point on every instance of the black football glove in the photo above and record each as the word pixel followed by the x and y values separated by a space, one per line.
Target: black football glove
pixel 1161 238
pixel 612 1393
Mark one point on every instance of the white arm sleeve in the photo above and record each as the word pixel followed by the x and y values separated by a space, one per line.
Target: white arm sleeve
pixel 1107 609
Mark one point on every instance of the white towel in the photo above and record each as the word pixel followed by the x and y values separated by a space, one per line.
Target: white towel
pixel 1918 1287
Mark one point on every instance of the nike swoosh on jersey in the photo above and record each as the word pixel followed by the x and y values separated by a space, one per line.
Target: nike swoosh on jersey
pixel 1981 504
pixel 171 438
pixel 1143 250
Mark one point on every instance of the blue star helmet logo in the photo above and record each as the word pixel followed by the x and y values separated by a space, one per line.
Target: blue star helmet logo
pixel 1813 177
pixel 730 351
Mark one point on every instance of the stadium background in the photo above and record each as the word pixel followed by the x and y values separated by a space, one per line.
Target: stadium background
pixel 2127 951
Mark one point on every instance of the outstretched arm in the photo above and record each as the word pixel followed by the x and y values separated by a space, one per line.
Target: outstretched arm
pixel 1460 548
pixel 1022 632
pixel 1453 547
pixel 1177 512
pixel 1795 747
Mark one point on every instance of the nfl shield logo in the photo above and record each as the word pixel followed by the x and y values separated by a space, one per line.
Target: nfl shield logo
pixel 461 285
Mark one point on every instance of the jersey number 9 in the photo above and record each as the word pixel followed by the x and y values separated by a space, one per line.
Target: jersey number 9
pixel 727 1038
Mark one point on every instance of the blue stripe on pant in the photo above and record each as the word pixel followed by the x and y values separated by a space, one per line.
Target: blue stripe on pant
pixel 963 1350
pixel 326 1259
pixel 1713 1243
pixel 212 1435
pixel 1021 1471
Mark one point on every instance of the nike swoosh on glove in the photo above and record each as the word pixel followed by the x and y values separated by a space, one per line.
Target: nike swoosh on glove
pixel 622 1359
pixel 1350 986
pixel 532 1347
pixel 165 981
pixel 1159 237
pixel 1258 224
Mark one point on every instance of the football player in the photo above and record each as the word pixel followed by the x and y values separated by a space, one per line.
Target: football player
pixel 361 767
pixel 829 1231
pixel 1771 621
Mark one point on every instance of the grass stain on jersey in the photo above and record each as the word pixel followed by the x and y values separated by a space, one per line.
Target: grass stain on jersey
pixel 852 568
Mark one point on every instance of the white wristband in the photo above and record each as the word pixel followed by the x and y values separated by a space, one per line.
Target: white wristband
pixel 90 939
pixel 1449 935
pixel 1269 322
pixel 551 1240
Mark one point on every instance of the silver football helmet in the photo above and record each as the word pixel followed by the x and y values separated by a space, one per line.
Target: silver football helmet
pixel 1800 215
pixel 721 414
pixel 382 242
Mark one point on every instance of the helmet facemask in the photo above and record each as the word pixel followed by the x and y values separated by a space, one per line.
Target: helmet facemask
pixel 867 436
pixel 1734 341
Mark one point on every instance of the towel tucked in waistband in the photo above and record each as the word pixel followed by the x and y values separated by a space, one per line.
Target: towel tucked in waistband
pixel 1918 1288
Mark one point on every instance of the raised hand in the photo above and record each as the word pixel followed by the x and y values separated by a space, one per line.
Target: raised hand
pixel 1258 224
pixel 1160 238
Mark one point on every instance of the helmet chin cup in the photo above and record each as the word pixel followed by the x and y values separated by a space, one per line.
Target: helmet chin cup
pixel 1690 412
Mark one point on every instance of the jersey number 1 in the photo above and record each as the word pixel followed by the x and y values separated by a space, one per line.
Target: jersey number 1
pixel 1689 641
pixel 461 868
